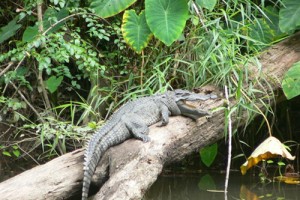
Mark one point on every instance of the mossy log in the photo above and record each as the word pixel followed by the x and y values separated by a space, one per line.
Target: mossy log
pixel 127 170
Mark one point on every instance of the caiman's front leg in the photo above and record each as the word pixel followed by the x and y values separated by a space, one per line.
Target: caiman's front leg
pixel 165 113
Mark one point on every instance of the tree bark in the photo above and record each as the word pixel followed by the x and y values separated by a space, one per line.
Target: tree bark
pixel 133 166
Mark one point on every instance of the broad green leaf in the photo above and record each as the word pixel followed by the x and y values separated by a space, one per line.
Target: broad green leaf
pixel 208 4
pixel 166 18
pixel 289 15
pixel 265 30
pixel 208 154
pixel 9 30
pixel 30 33
pixel 291 81
pixel 53 83
pixel 135 30
pixel 108 8
pixel 273 16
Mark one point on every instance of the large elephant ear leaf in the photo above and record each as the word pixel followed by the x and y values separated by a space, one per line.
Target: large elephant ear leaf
pixel 135 30
pixel 289 15
pixel 108 8
pixel 166 18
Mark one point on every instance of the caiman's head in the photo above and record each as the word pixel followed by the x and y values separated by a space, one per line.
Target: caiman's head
pixel 181 96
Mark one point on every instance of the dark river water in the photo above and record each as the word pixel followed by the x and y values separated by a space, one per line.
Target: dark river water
pixel 208 186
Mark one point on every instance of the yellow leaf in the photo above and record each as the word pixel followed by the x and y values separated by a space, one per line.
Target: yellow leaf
pixel 288 180
pixel 269 148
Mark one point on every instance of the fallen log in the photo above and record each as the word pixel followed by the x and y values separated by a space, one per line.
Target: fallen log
pixel 133 166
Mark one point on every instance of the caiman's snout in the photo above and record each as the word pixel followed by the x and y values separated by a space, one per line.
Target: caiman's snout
pixel 190 111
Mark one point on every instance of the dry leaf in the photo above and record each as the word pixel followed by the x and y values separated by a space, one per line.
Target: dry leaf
pixel 269 148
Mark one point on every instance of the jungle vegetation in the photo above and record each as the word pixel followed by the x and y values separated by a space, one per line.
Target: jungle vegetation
pixel 66 65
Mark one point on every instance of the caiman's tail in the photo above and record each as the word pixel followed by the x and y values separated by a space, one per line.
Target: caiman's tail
pixel 96 147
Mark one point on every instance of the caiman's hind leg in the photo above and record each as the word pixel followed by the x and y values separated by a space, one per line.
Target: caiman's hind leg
pixel 138 128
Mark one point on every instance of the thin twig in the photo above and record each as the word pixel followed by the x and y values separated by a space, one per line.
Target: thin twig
pixel 40 16
pixel 59 21
pixel 142 69
pixel 6 68
pixel 200 15
pixel 19 64
pixel 229 141
pixel 28 103
pixel 40 72
pixel 28 155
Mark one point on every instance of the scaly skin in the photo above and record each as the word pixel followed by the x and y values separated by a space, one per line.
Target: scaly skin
pixel 133 119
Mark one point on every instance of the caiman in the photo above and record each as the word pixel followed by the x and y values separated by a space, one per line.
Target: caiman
pixel 133 120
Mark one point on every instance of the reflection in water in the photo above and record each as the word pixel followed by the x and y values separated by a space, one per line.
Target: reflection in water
pixel 208 186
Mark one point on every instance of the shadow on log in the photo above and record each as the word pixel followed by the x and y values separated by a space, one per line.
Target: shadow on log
pixel 133 166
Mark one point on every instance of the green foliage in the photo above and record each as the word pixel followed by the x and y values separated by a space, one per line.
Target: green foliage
pixel 53 82
pixel 291 81
pixel 51 16
pixel 87 70
pixel 266 30
pixel 10 151
pixel 208 4
pixel 289 15
pixel 9 30
pixel 55 135
pixel 135 30
pixel 108 8
pixel 10 108
pixel 208 154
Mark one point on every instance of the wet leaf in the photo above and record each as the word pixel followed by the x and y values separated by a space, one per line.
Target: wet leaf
pixel 269 148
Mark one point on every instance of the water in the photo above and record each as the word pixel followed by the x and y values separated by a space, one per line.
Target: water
pixel 210 185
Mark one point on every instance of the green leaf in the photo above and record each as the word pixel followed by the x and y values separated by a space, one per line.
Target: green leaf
pixel 30 33
pixel 108 8
pixel 6 153
pixel 281 163
pixel 289 15
pixel 16 153
pixel 135 30
pixel 53 83
pixel 166 18
pixel 291 81
pixel 208 4
pixel 208 154
pixel 9 30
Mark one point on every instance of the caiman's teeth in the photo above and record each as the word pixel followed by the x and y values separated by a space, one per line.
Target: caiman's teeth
pixel 133 119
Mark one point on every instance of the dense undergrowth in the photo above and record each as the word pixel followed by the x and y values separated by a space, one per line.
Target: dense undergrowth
pixel 64 73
